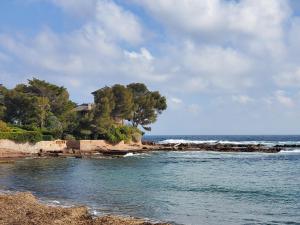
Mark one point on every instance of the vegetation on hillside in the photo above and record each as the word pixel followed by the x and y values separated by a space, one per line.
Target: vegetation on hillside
pixel 40 110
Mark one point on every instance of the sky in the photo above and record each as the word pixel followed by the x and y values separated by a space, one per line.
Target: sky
pixel 225 66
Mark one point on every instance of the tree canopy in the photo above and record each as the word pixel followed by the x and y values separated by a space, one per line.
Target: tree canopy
pixel 117 112
pixel 147 105
pixel 2 104
pixel 133 103
pixel 37 104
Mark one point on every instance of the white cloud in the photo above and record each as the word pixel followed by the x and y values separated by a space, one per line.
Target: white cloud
pixel 175 100
pixel 242 99
pixel 289 78
pixel 207 68
pixel 106 15
pixel 216 49
pixel 283 99
pixel 93 50
pixel 75 83
pixel 175 103
pixel 142 65
pixel 253 24
pixel 118 22
pixel 195 84
pixel 187 62
pixel 77 7
pixel 144 54
pixel 223 68
pixel 194 109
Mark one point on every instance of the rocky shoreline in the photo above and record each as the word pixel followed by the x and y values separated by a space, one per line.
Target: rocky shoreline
pixel 6 154
pixel 24 208
pixel 217 147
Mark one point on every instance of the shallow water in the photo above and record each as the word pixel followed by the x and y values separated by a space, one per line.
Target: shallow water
pixel 181 187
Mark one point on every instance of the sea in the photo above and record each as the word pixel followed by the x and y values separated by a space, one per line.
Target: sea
pixel 191 188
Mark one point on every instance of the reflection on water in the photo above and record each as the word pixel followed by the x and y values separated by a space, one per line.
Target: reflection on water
pixel 184 187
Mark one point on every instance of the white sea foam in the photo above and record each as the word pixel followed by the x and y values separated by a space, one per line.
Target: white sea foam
pixel 95 212
pixel 129 154
pixel 2 191
pixel 140 155
pixel 183 141
pixel 267 143
pixel 297 151
pixel 55 202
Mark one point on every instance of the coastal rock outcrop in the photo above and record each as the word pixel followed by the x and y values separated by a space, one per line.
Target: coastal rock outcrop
pixel 90 148
pixel 218 147
pixel 25 209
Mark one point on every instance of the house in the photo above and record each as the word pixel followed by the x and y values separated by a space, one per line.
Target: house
pixel 84 108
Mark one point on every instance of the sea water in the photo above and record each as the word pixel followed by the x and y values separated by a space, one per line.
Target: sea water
pixel 180 187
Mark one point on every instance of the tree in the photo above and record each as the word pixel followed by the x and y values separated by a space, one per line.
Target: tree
pixel 43 109
pixel 83 128
pixel 46 108
pixel 147 105
pixel 104 104
pixel 3 91
pixel 48 100
pixel 58 96
pixel 133 103
pixel 123 103
pixel 22 109
pixel 54 126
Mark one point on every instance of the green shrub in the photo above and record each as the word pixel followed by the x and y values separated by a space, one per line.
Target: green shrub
pixel 125 133
pixel 48 137
pixel 136 137
pixel 31 127
pixel 114 135
pixel 16 129
pixel 69 137
pixel 22 137
pixel 4 127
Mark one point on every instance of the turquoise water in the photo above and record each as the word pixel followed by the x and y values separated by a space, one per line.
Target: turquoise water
pixel 184 188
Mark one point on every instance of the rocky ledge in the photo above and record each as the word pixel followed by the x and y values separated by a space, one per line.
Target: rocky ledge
pixel 11 154
pixel 217 147
pixel 25 209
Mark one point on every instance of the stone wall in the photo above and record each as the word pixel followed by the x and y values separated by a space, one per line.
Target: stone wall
pixel 57 145
pixel 73 144
pixel 61 145
pixel 91 145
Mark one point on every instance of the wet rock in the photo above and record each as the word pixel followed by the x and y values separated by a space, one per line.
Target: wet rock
pixel 218 147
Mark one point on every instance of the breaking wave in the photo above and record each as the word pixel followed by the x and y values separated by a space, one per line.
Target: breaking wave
pixel 297 150
pixel 141 155
pixel 266 143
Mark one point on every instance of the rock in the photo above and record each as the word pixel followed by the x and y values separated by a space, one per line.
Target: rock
pixel 217 147
pixel 25 209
